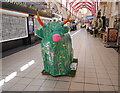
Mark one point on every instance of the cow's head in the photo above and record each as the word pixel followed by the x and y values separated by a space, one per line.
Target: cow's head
pixel 53 30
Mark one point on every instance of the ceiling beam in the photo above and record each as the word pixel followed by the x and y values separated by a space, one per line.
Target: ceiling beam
pixel 85 5
pixel 71 3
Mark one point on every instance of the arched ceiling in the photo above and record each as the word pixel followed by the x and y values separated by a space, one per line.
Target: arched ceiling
pixel 64 7
pixel 75 5
pixel 89 4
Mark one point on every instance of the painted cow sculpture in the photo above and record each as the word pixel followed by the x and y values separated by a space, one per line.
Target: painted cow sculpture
pixel 56 47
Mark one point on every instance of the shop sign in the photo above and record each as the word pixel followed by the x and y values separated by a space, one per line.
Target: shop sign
pixel 26 7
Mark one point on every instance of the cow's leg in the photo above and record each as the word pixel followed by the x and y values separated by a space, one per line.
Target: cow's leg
pixel 46 60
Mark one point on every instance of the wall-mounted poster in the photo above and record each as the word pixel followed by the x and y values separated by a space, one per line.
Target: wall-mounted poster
pixel 14 26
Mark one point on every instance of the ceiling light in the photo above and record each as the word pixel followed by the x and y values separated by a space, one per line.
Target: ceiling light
pixel 31 62
pixel 2 82
pixel 24 67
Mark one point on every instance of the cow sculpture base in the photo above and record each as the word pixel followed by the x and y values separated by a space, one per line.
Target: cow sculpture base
pixel 72 73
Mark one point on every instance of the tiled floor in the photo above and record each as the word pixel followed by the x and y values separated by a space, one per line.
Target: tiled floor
pixel 97 68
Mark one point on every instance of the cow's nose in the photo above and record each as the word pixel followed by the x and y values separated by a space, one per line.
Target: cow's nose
pixel 56 37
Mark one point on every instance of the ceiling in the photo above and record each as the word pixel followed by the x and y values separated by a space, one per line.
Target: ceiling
pixel 76 5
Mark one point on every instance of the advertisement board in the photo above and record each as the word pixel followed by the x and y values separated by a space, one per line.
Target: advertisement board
pixel 112 35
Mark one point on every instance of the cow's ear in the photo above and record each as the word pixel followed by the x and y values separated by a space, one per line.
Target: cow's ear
pixel 66 29
pixel 39 33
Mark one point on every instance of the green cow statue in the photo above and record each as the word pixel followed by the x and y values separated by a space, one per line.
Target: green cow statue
pixel 56 47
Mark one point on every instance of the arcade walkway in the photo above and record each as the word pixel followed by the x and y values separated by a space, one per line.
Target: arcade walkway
pixel 97 68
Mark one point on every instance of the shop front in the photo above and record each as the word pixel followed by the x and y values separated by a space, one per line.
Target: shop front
pixel 18 23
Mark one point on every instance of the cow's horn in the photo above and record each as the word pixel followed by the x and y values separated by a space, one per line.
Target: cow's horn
pixel 39 20
pixel 65 21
